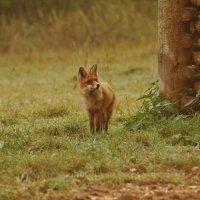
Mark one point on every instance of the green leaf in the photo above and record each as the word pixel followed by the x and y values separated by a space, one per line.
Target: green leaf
pixel 198 94
pixel 171 108
pixel 189 103
pixel 1 144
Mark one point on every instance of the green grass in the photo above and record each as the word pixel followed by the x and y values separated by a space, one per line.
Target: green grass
pixel 59 24
pixel 45 144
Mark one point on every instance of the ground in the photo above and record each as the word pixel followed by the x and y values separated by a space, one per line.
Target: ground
pixel 47 152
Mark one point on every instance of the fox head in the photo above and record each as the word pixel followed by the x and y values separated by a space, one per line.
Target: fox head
pixel 88 81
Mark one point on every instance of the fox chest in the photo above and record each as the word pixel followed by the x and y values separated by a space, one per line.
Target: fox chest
pixel 93 103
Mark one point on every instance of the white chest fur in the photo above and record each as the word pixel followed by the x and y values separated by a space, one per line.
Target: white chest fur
pixel 93 102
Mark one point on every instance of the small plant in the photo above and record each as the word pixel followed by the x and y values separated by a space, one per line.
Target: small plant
pixel 153 108
pixel 162 116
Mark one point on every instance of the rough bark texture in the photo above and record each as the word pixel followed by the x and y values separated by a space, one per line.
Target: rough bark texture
pixel 178 50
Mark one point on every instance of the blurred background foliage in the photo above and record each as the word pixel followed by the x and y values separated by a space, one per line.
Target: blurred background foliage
pixel 52 24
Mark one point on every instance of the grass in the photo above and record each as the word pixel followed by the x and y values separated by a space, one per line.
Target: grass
pixel 32 25
pixel 45 144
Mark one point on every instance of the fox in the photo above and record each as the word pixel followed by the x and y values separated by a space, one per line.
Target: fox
pixel 98 98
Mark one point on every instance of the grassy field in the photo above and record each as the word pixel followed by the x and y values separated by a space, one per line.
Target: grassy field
pixel 57 24
pixel 46 149
pixel 47 152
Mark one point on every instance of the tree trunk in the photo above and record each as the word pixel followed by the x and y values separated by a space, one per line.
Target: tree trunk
pixel 179 58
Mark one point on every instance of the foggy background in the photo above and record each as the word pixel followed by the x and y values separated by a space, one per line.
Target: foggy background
pixel 51 24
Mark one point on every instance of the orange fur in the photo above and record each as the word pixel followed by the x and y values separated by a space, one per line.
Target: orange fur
pixel 98 97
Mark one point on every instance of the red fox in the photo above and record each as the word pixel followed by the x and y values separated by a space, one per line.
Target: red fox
pixel 99 99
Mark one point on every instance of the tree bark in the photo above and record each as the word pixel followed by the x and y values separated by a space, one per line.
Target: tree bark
pixel 178 46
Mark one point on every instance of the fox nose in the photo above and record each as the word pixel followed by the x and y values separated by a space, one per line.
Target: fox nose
pixel 98 85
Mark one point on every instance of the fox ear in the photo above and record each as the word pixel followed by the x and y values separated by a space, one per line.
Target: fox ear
pixel 94 70
pixel 82 73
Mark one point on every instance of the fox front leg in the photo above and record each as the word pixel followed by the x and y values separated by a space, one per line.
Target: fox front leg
pixel 91 121
pixel 105 121
pixel 98 118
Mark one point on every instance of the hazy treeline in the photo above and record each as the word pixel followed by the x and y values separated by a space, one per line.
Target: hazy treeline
pixel 62 23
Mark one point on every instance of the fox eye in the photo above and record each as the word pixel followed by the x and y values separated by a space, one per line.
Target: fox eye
pixel 89 82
